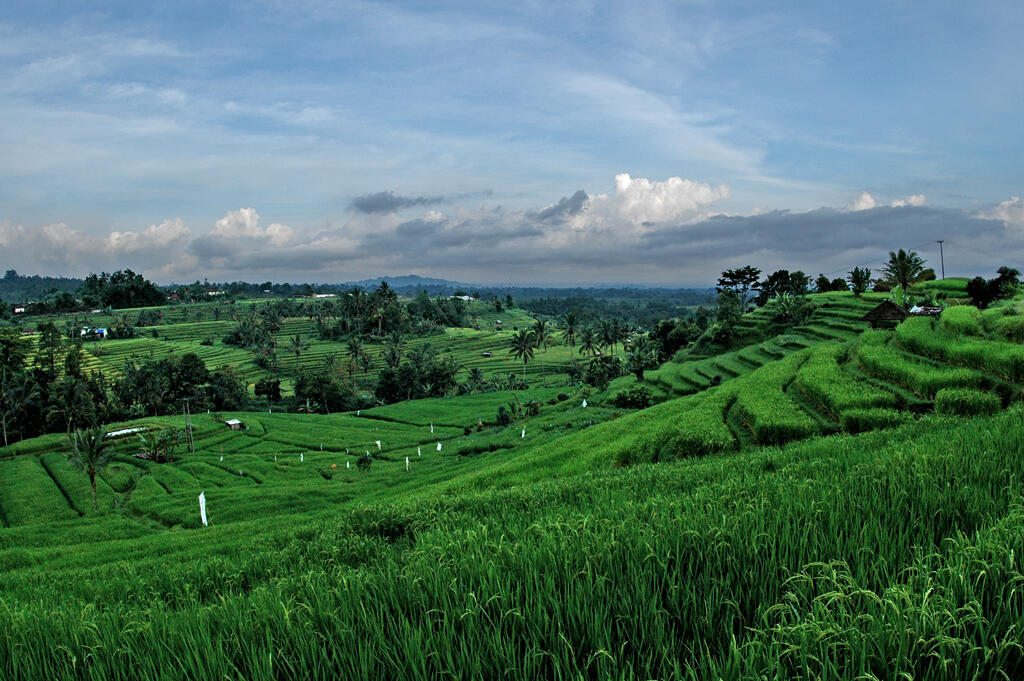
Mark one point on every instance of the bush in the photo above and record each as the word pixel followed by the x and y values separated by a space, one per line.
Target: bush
pixel 966 402
pixel 862 420
pixel 635 397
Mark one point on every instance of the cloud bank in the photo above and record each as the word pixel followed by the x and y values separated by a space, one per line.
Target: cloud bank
pixel 670 231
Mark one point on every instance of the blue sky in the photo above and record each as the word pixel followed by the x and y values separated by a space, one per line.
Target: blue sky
pixel 245 140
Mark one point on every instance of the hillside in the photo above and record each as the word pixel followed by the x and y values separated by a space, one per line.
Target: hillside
pixel 845 504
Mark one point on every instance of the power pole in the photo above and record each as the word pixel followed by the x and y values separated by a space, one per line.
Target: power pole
pixel 942 260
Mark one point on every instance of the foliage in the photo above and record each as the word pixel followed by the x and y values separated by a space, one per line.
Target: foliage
pixel 822 380
pixel 633 397
pixel 985 292
pixel 904 268
pixel 860 280
pixel 89 454
pixel 120 289
pixel 159 446
pixel 922 378
pixel 601 370
pixel 741 281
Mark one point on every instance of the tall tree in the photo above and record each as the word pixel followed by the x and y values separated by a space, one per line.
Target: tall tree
pixel 297 344
pixel 521 347
pixel 89 454
pixel 570 325
pixel 742 280
pixel 541 336
pixel 590 344
pixel 904 267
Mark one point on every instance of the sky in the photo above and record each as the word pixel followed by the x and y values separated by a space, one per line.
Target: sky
pixel 570 143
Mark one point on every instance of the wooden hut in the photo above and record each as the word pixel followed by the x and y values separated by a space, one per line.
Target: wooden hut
pixel 887 313
pixel 234 424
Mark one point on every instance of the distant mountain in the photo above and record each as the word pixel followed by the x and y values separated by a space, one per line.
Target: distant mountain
pixel 408 281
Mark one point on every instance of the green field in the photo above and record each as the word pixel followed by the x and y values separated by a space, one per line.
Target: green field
pixel 846 504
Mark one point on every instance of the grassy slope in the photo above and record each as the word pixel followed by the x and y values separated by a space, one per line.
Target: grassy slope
pixel 804 561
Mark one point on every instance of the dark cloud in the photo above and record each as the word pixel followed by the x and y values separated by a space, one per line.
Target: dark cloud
pixel 569 205
pixel 389 202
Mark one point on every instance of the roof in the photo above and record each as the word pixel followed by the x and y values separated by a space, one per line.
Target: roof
pixel 926 310
pixel 886 310
pixel 233 422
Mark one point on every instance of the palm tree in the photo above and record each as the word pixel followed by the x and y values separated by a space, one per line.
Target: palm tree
pixel 589 342
pixel 904 267
pixel 521 346
pixel 541 336
pixel 89 453
pixel 570 325
pixel 607 334
pixel 297 344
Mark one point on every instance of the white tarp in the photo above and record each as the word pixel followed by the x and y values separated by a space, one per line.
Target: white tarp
pixel 202 508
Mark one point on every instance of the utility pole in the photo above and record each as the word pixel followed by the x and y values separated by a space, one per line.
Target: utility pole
pixel 942 260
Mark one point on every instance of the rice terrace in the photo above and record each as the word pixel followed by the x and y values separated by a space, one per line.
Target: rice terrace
pixel 766 424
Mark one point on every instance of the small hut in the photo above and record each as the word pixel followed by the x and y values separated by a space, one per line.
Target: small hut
pixel 887 313
pixel 234 424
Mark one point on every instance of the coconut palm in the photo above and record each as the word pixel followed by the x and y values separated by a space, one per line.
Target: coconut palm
pixel 904 267
pixel 89 454
pixel 590 344
pixel 541 336
pixel 570 326
pixel 521 347
pixel 297 344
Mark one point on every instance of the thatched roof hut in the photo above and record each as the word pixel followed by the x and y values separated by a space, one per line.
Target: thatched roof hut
pixel 887 313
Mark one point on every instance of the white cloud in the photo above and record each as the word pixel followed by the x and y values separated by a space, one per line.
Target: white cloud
pixel 162 235
pixel 245 223
pixel 912 200
pixel 1011 212
pixel 639 200
pixel 863 202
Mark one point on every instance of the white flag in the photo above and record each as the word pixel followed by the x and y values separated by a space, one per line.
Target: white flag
pixel 431 426
pixel 438 446
pixel 378 445
pixel 302 457
pixel 406 463
pixel 358 412
pixel 275 458
pixel 221 457
pixel 523 434
pixel 202 508
pixel 419 452
pixel 584 404
pixel 348 464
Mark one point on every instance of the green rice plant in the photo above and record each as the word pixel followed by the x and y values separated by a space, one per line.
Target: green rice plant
pixel 699 429
pixel 918 335
pixel 75 485
pixel 822 380
pixel 923 379
pixel 961 320
pixel 29 495
pixel 966 402
pixel 862 420
pixel 772 417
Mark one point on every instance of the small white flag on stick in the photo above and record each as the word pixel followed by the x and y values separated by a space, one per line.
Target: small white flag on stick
pixel 275 458
pixel 348 464
pixel 431 426
pixel 523 434
pixel 419 451
pixel 202 508
pixel 406 463
pixel 438 446
pixel 221 457
pixel 358 412
pixel 302 456
pixel 584 404
pixel 378 444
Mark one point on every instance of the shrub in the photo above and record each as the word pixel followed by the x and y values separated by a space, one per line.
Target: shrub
pixel 863 420
pixel 966 402
pixel 635 397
